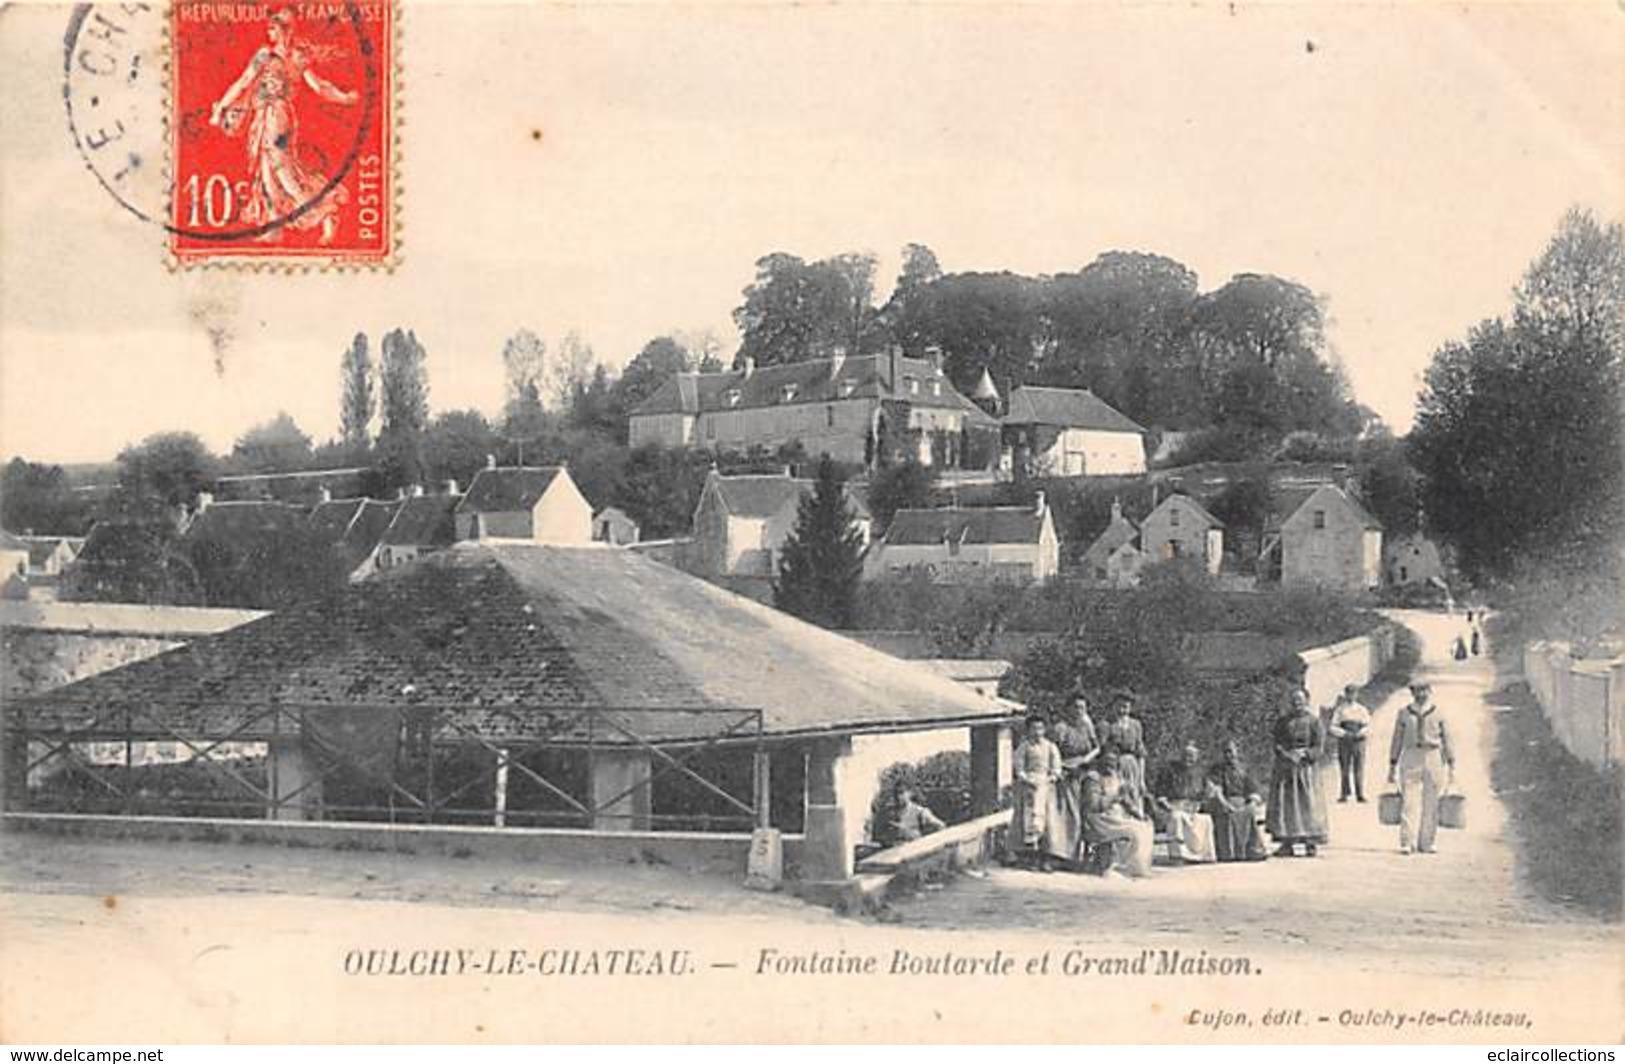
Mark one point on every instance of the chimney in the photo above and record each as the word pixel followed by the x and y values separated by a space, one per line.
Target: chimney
pixel 747 367
pixel 837 361
pixel 417 491
pixel 1117 509
pixel 894 366
pixel 205 499
pixel 934 353
pixel 1039 503
pixel 324 494
pixel 450 487
pixel 490 461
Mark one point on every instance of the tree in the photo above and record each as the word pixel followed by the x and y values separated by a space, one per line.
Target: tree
pixel 822 560
pixel 357 402
pixel 163 473
pixel 37 498
pixel 794 310
pixel 275 446
pixel 405 409
pixel 904 485
pixel 594 408
pixel 523 360
pixel 660 360
pixel 659 489
pixel 572 369
pixel 1517 435
pixel 903 316
pixel 456 444
pixel 704 349
pixel 989 321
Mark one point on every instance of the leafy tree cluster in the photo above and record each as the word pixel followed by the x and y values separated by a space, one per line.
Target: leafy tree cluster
pixel 1517 436
pixel 822 559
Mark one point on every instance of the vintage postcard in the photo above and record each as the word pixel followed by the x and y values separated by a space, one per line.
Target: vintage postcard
pixel 766 522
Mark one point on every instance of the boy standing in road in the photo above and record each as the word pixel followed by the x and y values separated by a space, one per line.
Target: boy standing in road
pixel 1350 723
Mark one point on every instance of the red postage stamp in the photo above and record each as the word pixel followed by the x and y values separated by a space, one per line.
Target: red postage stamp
pixel 282 132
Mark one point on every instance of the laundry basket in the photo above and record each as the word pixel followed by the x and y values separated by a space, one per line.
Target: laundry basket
pixel 1388 806
pixel 1452 811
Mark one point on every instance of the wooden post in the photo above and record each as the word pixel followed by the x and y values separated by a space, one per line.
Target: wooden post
pixel 501 819
pixel 762 775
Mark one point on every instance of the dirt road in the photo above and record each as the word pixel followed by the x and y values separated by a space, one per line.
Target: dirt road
pixel 121 942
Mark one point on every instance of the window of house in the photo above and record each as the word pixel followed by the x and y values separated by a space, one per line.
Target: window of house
pixel 731 397
pixel 936 387
pixel 912 384
pixel 1175 548
pixel 1404 574
pixel 1320 518
pixel 787 393
pixel 1173 518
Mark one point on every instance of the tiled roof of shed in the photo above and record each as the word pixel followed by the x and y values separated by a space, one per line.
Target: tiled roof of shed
pixel 1067 407
pixel 507 489
pixel 993 524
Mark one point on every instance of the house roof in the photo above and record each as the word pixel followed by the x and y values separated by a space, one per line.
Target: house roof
pixel 423 521
pixel 11 542
pixel 302 486
pixel 1285 502
pixel 815 381
pixel 507 635
pixel 507 489
pixel 1118 531
pixel 764 494
pixel 1076 408
pixel 330 520
pixel 613 513
pixel 243 524
pixel 353 526
pixel 1192 504
pixel 985 525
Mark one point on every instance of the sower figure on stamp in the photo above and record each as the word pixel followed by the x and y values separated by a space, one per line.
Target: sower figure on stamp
pixel 1421 760
pixel 280 184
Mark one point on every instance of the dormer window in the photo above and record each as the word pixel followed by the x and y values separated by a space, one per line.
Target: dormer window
pixel 787 393
pixel 847 387
pixel 731 397
pixel 1320 519
pixel 912 384
pixel 936 387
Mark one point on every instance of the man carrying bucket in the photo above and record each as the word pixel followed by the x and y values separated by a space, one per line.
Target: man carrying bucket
pixel 1420 758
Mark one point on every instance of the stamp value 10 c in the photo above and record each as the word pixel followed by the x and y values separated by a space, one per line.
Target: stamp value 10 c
pixel 281 132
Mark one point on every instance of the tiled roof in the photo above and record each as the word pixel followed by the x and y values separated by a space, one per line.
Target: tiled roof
pixel 510 635
pixel 243 524
pixel 507 489
pixel 354 526
pixel 1193 504
pixel 994 524
pixel 1118 531
pixel 330 520
pixel 423 521
pixel 40 548
pixel 304 486
pixel 816 381
pixel 1066 407
pixel 1284 502
pixel 765 494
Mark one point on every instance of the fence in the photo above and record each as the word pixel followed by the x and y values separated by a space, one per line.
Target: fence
pixel 593 767
pixel 1583 700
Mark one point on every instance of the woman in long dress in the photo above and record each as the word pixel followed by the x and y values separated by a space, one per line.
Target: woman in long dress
pixel 1074 737
pixel 1037 769
pixel 1235 802
pixel 1181 795
pixel 1108 819
pixel 1125 737
pixel 1297 805
pixel 282 187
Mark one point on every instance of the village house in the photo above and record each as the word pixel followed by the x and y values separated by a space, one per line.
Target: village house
pixel 742 521
pixel 1071 432
pixel 540 504
pixel 1412 559
pixel 49 556
pixel 1323 537
pixel 1181 527
pixel 611 525
pixel 863 409
pixel 13 565
pixel 421 524
pixel 517 685
pixel 356 527
pixel 1096 561
pixel 1015 544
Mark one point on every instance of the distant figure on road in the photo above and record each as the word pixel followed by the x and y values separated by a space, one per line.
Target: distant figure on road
pixel 913 819
pixel 1037 771
pixel 1477 642
pixel 1297 805
pixel 1235 803
pixel 1420 759
pixel 1350 723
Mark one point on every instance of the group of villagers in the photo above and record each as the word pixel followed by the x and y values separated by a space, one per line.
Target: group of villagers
pixel 1083 799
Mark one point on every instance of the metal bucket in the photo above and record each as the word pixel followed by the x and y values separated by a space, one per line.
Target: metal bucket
pixel 1388 807
pixel 1452 811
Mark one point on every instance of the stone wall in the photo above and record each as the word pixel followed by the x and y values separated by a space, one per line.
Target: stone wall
pixel 1583 699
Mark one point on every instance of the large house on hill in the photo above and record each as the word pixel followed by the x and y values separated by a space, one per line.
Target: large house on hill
pixel 741 522
pixel 1071 432
pixel 1016 544
pixel 868 409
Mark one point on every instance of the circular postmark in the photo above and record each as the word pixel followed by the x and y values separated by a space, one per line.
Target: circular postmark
pixel 149 86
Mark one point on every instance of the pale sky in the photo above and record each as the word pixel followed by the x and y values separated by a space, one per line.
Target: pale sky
pixel 1406 167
